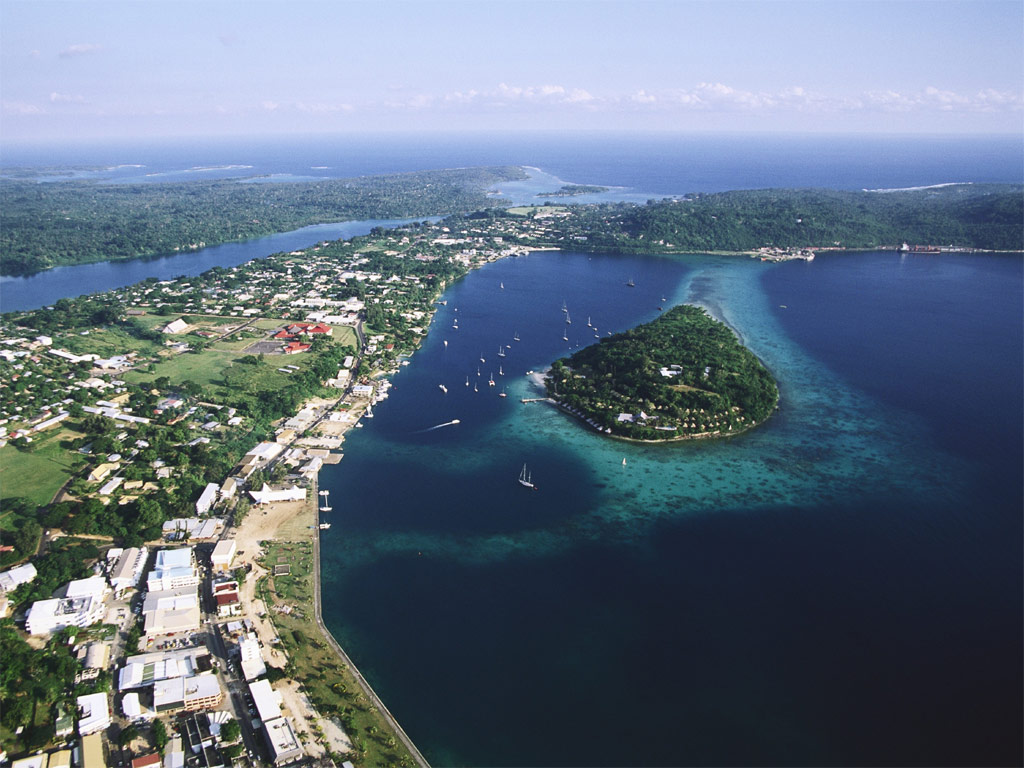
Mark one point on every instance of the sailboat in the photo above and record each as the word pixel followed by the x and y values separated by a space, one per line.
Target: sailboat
pixel 588 322
pixel 325 507
pixel 369 411
pixel 502 286
pixel 502 393
pixel 623 461
pixel 500 372
pixel 526 479
pixel 446 342
pixel 565 336
pixel 490 381
pixel 516 337
pixel 501 352
pixel 443 388
pixel 631 284
pixel 482 358
pixel 475 389
pixel 564 307
pixel 467 381
pixel 568 321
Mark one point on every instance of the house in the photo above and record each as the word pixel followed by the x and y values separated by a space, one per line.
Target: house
pixel 102 471
pixel 295 347
pixel 206 499
pixel 147 761
pixel 225 596
pixel 14 577
pixel 174 755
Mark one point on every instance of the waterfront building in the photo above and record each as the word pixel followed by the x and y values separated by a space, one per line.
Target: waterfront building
pixel 282 741
pixel 251 657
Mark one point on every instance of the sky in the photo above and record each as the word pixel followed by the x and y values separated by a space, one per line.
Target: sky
pixel 87 69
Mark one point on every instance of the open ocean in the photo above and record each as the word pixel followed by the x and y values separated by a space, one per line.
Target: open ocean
pixel 841 586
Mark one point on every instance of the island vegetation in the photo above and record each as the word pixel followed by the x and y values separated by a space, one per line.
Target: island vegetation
pixel 571 190
pixel 683 375
pixel 48 224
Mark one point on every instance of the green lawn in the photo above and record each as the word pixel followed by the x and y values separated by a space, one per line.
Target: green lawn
pixel 38 475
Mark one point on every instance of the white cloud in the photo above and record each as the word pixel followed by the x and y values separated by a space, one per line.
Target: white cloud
pixel 21 108
pixel 80 49
pixel 65 98
pixel 270 106
pixel 322 108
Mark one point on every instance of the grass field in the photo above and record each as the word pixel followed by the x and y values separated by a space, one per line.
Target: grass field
pixel 38 475
pixel 106 343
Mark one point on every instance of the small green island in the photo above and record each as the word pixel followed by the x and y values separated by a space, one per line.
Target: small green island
pixel 571 190
pixel 682 376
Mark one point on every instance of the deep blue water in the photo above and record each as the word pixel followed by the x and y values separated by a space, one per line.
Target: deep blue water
pixel 839 587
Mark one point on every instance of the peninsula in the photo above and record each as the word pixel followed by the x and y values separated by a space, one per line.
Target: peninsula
pixel 682 376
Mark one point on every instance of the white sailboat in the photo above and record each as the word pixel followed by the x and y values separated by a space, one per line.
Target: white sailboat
pixel 516 337
pixel 369 411
pixel 568 321
pixel 526 479
pixel 500 372
pixel 467 381
pixel 443 388
pixel 501 352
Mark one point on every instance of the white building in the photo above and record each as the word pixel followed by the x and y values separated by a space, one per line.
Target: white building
pixel 281 739
pixel 145 669
pixel 265 701
pixel 267 496
pixel 173 568
pixel 177 326
pixel 223 554
pixel 82 606
pixel 206 499
pixel 252 662
pixel 93 713
pixel 188 693
pixel 170 611
pixel 14 577
pixel 127 571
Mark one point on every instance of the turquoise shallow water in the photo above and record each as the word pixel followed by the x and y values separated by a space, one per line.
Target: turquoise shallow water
pixel 779 597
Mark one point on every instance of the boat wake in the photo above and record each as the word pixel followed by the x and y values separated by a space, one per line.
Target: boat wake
pixel 451 423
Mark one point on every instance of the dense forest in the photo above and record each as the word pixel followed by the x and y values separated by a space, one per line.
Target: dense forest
pixel 682 375
pixel 989 217
pixel 43 225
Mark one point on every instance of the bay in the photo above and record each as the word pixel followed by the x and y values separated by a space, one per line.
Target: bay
pixel 43 288
pixel 812 592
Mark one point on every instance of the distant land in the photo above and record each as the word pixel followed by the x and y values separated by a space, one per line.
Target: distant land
pixel 50 224
pixel 43 225
pixel 684 375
